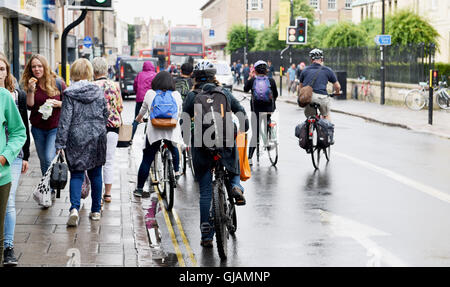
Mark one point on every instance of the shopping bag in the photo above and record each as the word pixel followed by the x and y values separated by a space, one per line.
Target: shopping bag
pixel 125 132
pixel 59 175
pixel 241 141
pixel 42 193
pixel 86 187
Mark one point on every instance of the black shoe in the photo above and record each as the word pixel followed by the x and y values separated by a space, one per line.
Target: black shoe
pixel 138 192
pixel 145 194
pixel 238 196
pixel 207 243
pixel 8 257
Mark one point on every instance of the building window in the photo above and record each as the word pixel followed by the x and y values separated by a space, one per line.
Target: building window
pixel 314 4
pixel 433 4
pixel 256 4
pixel 331 4
pixel 348 4
pixel 256 23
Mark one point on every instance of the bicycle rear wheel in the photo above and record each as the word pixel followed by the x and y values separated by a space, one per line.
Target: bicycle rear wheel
pixel 415 100
pixel 169 182
pixel 157 171
pixel 327 152
pixel 220 221
pixel 443 99
pixel 183 159
pixel 315 150
pixel 272 146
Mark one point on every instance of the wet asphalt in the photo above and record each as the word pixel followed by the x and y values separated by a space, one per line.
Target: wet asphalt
pixel 382 200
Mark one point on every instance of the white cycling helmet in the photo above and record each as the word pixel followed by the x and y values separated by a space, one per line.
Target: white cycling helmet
pixel 316 54
pixel 204 69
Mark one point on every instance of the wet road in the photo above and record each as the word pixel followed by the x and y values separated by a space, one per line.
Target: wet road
pixel 383 200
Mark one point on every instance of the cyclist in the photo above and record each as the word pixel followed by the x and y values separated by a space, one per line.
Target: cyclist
pixel 205 81
pixel 260 103
pixel 183 83
pixel 323 75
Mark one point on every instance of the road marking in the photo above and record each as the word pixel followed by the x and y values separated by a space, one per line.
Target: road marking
pixel 172 232
pixel 344 227
pixel 400 178
pixel 183 235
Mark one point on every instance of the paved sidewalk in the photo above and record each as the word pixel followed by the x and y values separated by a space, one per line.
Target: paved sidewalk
pixel 388 115
pixel 118 239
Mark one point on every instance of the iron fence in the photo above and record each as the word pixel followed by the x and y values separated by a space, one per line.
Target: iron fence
pixel 404 64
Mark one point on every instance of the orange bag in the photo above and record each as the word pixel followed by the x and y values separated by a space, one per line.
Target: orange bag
pixel 241 141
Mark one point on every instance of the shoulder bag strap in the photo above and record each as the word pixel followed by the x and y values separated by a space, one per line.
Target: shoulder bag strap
pixel 315 77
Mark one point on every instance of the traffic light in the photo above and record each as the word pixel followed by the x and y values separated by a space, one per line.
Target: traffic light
pixel 97 3
pixel 297 35
pixel 435 78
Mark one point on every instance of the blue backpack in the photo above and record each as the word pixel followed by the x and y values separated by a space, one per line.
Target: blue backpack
pixel 164 110
pixel 262 91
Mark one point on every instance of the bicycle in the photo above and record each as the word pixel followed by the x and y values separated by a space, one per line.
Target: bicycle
pixel 366 92
pixel 313 136
pixel 417 99
pixel 222 206
pixel 163 173
pixel 270 139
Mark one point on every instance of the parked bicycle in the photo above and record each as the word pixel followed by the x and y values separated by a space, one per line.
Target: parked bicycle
pixel 366 92
pixel 418 98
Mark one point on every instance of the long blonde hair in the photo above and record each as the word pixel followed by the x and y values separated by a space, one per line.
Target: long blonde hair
pixel 9 80
pixel 49 76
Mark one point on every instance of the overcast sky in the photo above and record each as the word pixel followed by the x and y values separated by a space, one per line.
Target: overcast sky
pixel 178 11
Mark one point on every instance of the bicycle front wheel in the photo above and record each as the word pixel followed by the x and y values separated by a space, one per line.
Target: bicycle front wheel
pixel 443 99
pixel 169 182
pixel 327 152
pixel 220 221
pixel 415 100
pixel 315 150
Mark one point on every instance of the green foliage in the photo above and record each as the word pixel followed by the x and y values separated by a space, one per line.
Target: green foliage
pixel 131 37
pixel 237 38
pixel 406 27
pixel 444 71
pixel 318 35
pixel 372 26
pixel 345 34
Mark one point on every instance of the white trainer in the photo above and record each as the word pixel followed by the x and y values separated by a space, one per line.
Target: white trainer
pixel 95 216
pixel 73 218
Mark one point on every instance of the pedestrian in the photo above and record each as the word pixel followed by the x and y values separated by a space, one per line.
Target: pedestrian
pixel 142 83
pixel 82 136
pixel 12 139
pixel 205 81
pixel 299 70
pixel 19 165
pixel 115 108
pixel 264 102
pixel 246 73
pixel 44 98
pixel 233 71
pixel 163 85
pixel 239 72
pixel 183 83
pixel 291 77
pixel 270 69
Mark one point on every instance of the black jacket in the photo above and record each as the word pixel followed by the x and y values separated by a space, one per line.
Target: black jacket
pixel 229 156
pixel 23 113
pixel 263 107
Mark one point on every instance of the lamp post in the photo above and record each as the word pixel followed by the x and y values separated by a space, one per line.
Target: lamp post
pixel 382 47
pixel 246 33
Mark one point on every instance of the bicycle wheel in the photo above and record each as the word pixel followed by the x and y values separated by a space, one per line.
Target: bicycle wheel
pixel 220 222
pixel 169 181
pixel 272 145
pixel 189 161
pixel 315 150
pixel 232 226
pixel 327 152
pixel 415 100
pixel 443 99
pixel 183 159
pixel 157 171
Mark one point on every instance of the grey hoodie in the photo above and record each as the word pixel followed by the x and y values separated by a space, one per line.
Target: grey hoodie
pixel 82 126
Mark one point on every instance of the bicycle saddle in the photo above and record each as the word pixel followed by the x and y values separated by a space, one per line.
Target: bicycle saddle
pixel 314 105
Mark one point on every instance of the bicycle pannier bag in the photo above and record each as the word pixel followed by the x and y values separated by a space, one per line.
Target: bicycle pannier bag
pixel 301 131
pixel 241 142
pixel 164 110
pixel 305 93
pixel 58 177
pixel 261 90
pixel 324 139
pixel 212 118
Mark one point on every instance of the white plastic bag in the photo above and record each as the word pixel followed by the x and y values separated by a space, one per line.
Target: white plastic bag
pixel 42 194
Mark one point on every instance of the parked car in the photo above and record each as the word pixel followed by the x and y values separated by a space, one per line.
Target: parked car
pixel 224 75
pixel 129 67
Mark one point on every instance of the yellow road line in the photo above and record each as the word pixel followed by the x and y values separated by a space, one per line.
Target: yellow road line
pixel 172 233
pixel 183 235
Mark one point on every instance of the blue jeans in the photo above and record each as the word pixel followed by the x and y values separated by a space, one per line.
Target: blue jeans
pixel 10 218
pixel 45 146
pixel 205 185
pixel 149 156
pixel 76 181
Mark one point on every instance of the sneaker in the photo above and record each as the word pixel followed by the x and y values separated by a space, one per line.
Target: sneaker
pixel 53 195
pixel 177 175
pixel 8 257
pixel 250 161
pixel 238 196
pixel 145 194
pixel 206 243
pixel 95 216
pixel 138 192
pixel 73 218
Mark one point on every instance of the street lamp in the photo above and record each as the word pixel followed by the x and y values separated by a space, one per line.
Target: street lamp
pixel 246 33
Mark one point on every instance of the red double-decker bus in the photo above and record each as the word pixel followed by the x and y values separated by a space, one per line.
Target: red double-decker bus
pixel 184 44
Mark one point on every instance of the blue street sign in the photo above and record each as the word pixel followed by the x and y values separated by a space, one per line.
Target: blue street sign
pixel 211 33
pixel 383 40
pixel 87 42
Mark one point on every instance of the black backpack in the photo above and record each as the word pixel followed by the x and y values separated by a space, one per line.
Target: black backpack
pixel 212 112
pixel 182 86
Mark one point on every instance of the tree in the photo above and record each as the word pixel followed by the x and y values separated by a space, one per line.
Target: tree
pixel 237 38
pixel 318 35
pixel 372 26
pixel 406 27
pixel 131 37
pixel 346 34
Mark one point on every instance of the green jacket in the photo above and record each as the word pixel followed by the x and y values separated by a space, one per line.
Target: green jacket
pixel 9 146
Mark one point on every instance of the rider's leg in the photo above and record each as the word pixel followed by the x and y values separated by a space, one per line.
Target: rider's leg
pixel 147 160
pixel 237 189
pixel 175 155
pixel 206 224
pixel 255 134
